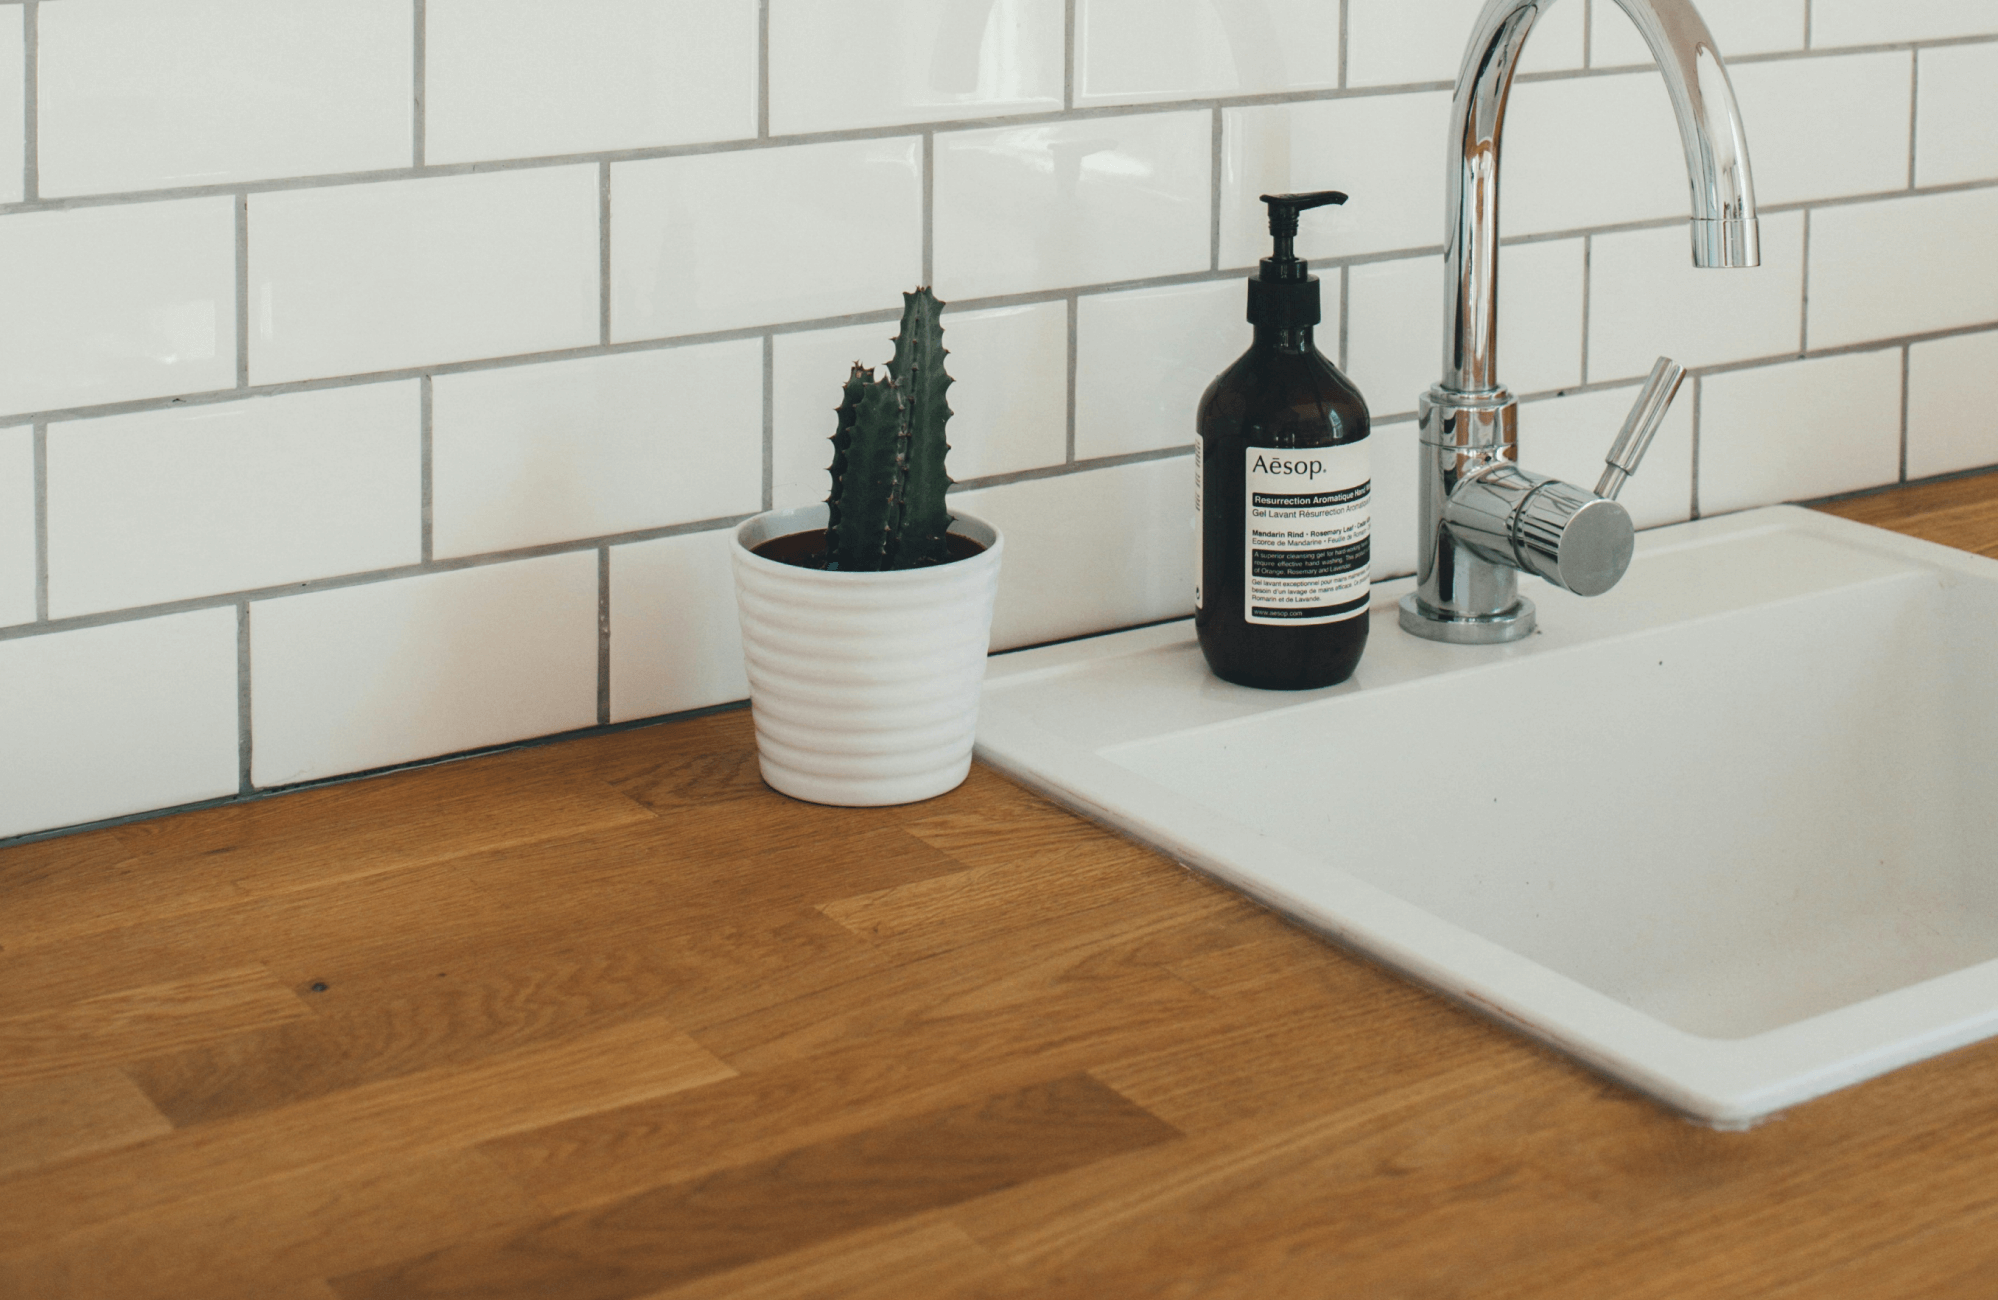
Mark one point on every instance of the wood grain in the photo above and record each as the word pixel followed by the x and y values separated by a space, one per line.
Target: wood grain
pixel 608 1018
pixel 117 1026
pixel 70 1115
pixel 769 1208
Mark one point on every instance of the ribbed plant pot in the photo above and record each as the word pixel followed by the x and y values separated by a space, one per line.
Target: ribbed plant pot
pixel 864 686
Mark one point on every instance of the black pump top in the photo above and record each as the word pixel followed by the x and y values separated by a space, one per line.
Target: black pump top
pixel 1285 294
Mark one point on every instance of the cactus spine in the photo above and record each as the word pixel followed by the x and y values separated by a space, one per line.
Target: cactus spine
pixel 886 508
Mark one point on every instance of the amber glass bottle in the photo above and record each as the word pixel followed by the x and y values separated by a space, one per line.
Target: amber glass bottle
pixel 1283 487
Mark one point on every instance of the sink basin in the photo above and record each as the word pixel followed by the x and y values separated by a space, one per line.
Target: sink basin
pixel 1728 834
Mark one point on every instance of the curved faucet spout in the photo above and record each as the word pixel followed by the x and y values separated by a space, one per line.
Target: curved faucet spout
pixel 1724 224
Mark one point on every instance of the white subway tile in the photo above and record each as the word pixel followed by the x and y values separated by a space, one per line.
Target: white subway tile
pixel 137 95
pixel 1396 468
pixel 1902 266
pixel 1952 389
pixel 1591 151
pixel 1010 401
pixel 1646 298
pixel 674 640
pixel 195 501
pixel 1385 151
pixel 1066 203
pixel 1394 42
pixel 1738 26
pixel 17 526
pixel 1087 552
pixel 1568 437
pixel 1394 331
pixel 109 304
pixel 1009 404
pixel 729 240
pixel 1821 128
pixel 525 79
pixel 368 676
pixel 527 455
pixel 13 97
pixel 1395 324
pixel 1874 22
pixel 1143 359
pixel 106 721
pixel 1131 51
pixel 836 64
pixel 364 278
pixel 1958 132
pixel 1800 430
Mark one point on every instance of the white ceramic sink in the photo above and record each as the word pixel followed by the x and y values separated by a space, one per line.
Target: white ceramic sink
pixel 1728 833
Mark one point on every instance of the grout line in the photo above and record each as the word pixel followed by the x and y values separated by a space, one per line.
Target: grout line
pixel 1066 471
pixel 245 734
pixel 1589 34
pixel 899 131
pixel 1345 38
pixel 31 115
pixel 769 421
pixel 603 635
pixel 419 72
pixel 1907 353
pixel 1074 348
pixel 242 291
pixel 1914 112
pixel 1345 317
pixel 1699 409
pixel 1809 17
pixel 1068 55
pixel 929 207
pixel 1804 306
pixel 40 437
pixel 1588 273
pixel 604 253
pixel 425 480
pixel 1214 196
pixel 763 69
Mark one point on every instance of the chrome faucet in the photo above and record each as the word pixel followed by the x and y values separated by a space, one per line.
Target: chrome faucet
pixel 1483 519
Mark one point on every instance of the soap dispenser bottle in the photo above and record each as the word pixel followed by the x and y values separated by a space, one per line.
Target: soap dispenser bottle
pixel 1281 485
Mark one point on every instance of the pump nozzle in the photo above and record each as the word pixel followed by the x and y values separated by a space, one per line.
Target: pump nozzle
pixel 1285 294
pixel 1283 215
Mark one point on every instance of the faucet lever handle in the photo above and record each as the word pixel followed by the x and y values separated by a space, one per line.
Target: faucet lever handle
pixel 1641 426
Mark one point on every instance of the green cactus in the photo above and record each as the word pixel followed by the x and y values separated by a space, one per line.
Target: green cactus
pixel 886 508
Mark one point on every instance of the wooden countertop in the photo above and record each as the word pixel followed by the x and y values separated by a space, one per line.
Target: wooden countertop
pixel 609 1019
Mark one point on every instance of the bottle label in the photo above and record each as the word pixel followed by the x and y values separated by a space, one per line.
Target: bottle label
pixel 1310 526
pixel 1199 519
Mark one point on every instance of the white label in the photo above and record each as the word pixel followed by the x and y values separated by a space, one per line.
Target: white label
pixel 1310 525
pixel 1199 519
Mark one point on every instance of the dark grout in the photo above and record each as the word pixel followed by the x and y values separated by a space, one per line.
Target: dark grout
pixel 245 730
pixel 603 635
pixel 40 437
pixel 419 74
pixel 31 112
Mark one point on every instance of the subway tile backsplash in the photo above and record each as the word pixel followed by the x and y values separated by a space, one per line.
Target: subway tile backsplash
pixel 164 505
pixel 137 95
pixel 383 377
pixel 527 79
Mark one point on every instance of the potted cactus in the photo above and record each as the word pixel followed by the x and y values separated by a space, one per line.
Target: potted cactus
pixel 866 619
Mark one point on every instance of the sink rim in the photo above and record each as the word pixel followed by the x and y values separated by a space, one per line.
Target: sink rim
pixel 1727 1083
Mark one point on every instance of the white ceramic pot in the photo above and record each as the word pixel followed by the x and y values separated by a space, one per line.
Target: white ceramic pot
pixel 864 686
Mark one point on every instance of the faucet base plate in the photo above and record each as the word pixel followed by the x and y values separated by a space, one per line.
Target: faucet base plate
pixel 1489 629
